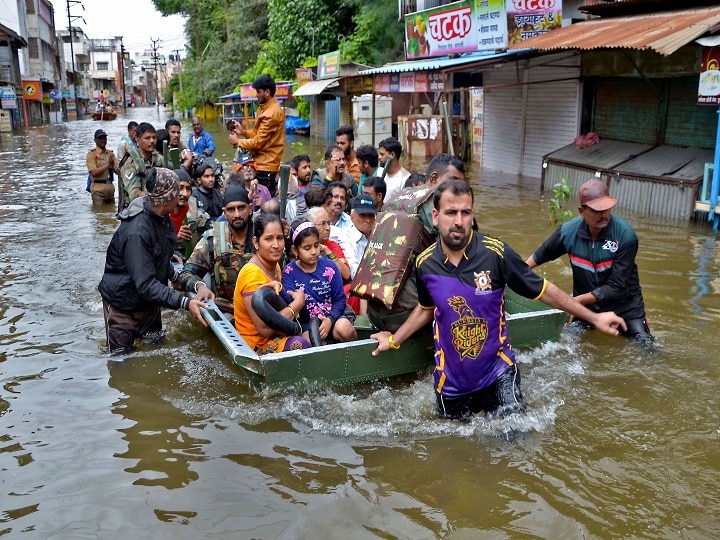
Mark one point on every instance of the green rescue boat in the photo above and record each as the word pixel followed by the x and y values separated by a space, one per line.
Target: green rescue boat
pixel 530 323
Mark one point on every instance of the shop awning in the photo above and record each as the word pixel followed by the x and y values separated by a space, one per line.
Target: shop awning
pixel 441 62
pixel 313 88
pixel 663 32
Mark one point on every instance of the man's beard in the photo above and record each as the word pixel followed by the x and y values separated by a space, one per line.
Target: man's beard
pixel 238 225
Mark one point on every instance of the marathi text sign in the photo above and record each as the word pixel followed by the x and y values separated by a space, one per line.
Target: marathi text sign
pixel 8 99
pixel 303 75
pixel 491 24
pixel 413 81
pixel 530 18
pixel 329 65
pixel 248 93
pixel 709 84
pixel 449 29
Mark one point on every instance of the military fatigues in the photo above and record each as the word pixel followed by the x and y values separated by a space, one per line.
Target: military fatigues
pixel 216 253
pixel 102 188
pixel 133 175
pixel 199 221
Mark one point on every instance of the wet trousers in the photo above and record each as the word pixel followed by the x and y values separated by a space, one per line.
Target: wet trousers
pixel 501 398
pixel 122 328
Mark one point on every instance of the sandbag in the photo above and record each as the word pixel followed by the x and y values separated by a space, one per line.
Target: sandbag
pixel 414 201
pixel 387 263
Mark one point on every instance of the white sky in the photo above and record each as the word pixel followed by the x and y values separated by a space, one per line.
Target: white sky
pixel 136 21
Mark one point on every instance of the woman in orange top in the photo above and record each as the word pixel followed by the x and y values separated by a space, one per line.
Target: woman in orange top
pixel 263 270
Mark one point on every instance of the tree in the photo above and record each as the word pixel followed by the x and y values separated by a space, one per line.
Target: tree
pixel 232 41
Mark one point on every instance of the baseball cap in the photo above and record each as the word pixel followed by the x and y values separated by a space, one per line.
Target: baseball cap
pixel 100 133
pixel 595 194
pixel 246 159
pixel 363 204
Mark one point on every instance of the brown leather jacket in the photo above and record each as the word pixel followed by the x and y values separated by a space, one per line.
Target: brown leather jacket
pixel 267 138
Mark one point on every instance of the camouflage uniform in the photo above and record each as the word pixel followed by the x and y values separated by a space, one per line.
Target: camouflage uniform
pixel 133 174
pixel 199 221
pixel 216 253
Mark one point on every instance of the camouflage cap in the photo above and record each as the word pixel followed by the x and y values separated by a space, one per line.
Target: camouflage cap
pixel 166 188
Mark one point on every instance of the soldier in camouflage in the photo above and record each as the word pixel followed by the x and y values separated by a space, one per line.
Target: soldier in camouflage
pixel 223 250
pixel 136 163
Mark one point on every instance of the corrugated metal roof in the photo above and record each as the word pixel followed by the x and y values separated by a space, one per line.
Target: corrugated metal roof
pixel 663 32
pixel 606 154
pixel 313 88
pixel 441 62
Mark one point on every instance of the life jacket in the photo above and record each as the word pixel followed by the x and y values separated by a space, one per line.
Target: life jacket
pixel 385 276
pixel 226 263
pixel 199 221
pixel 389 257
pixel 132 153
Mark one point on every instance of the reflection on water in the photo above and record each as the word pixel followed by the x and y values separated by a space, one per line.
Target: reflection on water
pixel 172 441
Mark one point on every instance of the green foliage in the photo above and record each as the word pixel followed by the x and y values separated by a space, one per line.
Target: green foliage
pixel 378 36
pixel 561 194
pixel 294 25
pixel 230 46
pixel 303 108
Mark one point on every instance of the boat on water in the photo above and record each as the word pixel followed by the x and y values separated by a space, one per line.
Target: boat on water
pixel 530 323
pixel 103 115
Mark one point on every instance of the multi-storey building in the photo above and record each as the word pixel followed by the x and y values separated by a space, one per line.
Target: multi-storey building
pixel 13 39
pixel 40 65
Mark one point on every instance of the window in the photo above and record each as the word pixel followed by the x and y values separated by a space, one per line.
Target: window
pixel 102 66
pixel 33 48
pixel 30 6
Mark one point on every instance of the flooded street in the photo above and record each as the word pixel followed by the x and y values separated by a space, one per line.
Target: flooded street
pixel 171 442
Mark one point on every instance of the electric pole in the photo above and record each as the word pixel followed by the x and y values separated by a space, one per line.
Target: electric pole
pixel 72 50
pixel 155 60
pixel 177 60
pixel 122 78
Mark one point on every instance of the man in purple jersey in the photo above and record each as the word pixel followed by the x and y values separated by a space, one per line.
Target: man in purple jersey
pixel 461 288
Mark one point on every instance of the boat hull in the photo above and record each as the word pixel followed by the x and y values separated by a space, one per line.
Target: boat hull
pixel 103 116
pixel 351 363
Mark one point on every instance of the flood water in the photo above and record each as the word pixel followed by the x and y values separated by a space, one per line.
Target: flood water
pixel 171 442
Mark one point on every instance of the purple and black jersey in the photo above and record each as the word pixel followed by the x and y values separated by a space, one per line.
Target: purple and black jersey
pixel 471 340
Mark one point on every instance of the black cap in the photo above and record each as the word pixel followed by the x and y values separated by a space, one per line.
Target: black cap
pixel 100 133
pixel 236 193
pixel 363 204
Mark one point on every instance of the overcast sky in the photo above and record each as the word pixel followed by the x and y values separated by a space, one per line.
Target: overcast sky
pixel 136 21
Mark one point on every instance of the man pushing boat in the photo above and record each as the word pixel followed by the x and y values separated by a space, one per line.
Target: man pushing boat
pixel 461 281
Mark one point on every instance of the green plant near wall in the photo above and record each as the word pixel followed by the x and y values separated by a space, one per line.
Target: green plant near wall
pixel 556 206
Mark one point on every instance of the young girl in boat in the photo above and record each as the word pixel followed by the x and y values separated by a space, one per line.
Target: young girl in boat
pixel 322 283
pixel 263 270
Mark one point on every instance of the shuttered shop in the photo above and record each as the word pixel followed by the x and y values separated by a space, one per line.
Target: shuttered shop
pixel 526 119
pixel 629 110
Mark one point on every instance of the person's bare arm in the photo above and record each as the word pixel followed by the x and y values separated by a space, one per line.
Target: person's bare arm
pixel 606 322
pixel 418 318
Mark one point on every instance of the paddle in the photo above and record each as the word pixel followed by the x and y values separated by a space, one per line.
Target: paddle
pixel 284 183
pixel 448 128
pixel 386 167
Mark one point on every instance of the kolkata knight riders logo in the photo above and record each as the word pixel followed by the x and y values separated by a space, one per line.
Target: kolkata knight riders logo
pixel 483 284
pixel 469 332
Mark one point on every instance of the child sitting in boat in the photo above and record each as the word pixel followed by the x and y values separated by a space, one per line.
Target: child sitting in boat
pixel 320 278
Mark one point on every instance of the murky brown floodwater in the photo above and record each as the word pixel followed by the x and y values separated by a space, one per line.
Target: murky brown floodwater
pixel 170 442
